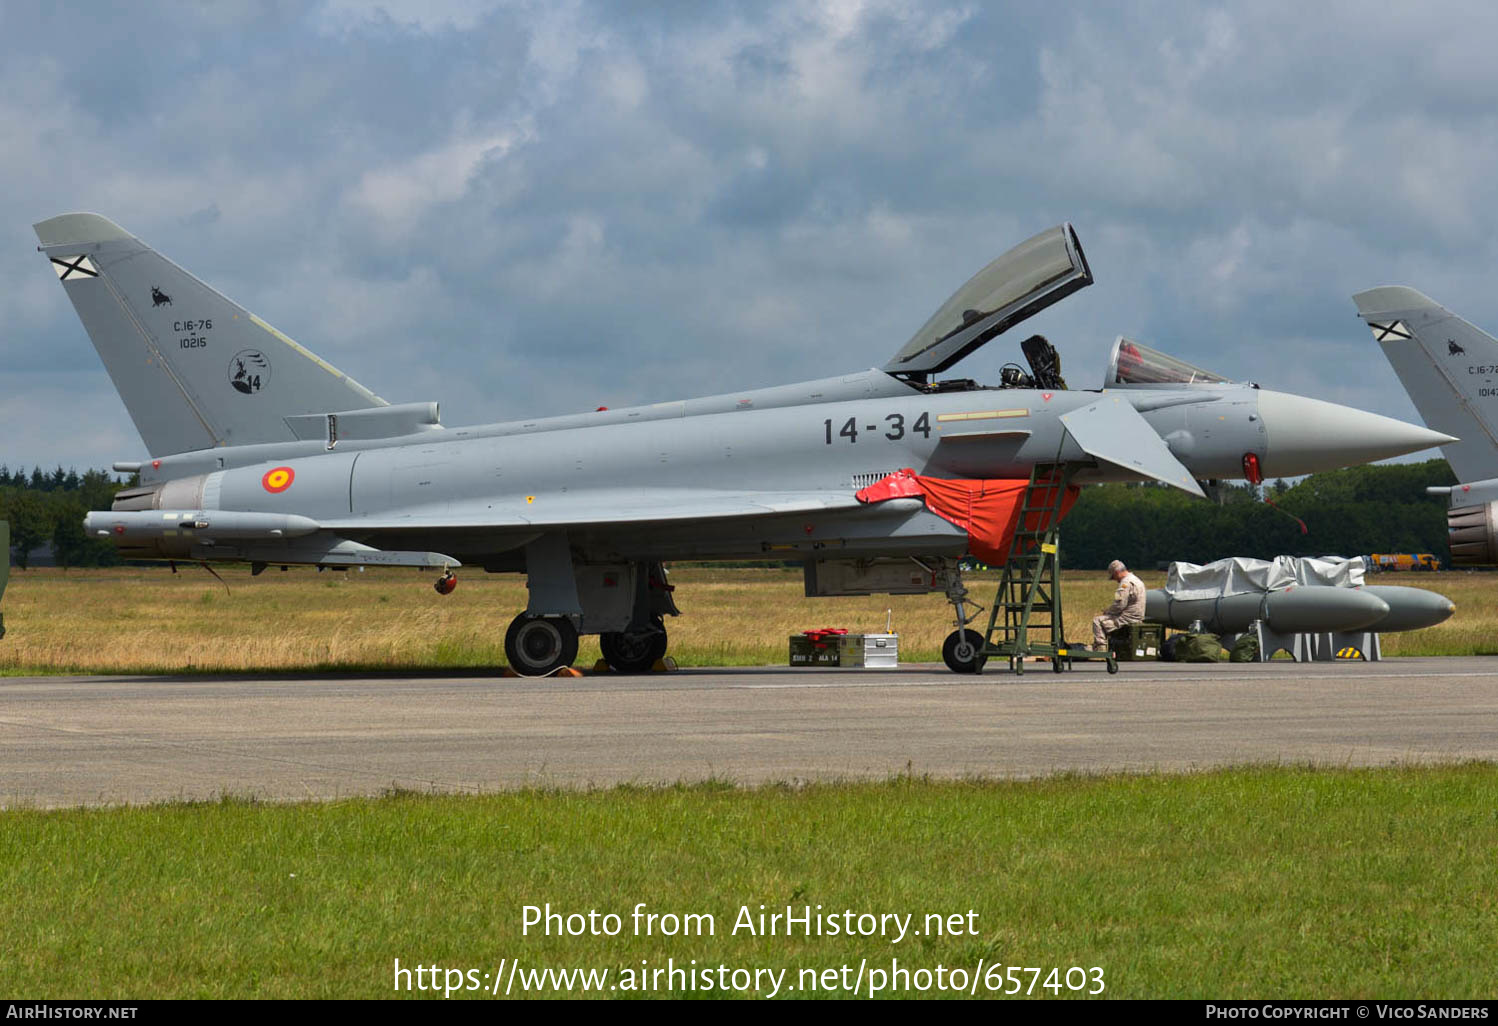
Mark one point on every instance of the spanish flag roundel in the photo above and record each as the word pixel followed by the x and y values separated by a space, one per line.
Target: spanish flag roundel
pixel 278 479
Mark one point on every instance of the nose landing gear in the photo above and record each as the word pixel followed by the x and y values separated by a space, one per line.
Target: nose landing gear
pixel 963 649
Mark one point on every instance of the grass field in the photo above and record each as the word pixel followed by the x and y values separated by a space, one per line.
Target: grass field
pixel 140 621
pixel 1249 883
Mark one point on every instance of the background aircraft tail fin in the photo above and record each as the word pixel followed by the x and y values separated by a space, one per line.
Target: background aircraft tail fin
pixel 1449 368
pixel 195 369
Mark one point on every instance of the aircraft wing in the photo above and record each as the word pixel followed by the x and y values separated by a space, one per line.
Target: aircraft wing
pixel 1113 431
pixel 603 507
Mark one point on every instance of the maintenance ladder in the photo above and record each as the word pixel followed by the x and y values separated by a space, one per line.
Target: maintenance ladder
pixel 1026 616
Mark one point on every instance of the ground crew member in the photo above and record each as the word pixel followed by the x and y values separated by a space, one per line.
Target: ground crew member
pixel 1127 607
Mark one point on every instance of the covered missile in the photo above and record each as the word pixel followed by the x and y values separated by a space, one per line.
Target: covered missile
pixel 1308 609
pixel 1293 610
pixel 1409 608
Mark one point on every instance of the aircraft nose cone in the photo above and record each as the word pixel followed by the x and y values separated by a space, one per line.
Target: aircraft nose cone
pixel 1307 435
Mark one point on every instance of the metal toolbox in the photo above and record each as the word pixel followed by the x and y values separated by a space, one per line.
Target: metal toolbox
pixel 1137 641
pixel 871 651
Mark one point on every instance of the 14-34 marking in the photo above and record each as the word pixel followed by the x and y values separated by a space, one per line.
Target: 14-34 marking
pixel 894 424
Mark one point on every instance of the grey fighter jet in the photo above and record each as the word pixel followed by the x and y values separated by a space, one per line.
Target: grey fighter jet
pixel 1450 370
pixel 878 481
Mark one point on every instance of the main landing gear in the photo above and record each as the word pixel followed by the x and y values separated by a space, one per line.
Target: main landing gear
pixel 538 645
pixel 634 651
pixel 623 603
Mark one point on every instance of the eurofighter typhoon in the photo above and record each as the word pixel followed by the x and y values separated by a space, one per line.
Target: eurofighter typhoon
pixel 878 480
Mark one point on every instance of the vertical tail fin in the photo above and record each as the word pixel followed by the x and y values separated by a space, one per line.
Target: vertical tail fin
pixel 1448 367
pixel 195 369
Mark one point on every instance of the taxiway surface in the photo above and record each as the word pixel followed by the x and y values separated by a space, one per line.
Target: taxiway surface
pixel 97 740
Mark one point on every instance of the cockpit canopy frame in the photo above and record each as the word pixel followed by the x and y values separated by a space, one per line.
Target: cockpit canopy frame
pixel 1132 364
pixel 1042 270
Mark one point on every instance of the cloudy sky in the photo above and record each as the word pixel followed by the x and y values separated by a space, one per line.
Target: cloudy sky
pixel 531 208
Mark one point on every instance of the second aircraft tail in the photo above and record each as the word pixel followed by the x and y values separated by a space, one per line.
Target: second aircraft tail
pixel 1449 368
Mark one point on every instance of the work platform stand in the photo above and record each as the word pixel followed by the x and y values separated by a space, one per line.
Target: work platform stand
pixel 1026 618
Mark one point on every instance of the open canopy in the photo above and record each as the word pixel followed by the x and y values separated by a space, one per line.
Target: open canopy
pixel 1027 279
pixel 1134 364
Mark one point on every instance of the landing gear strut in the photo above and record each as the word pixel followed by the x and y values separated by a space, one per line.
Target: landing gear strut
pixel 634 651
pixel 963 649
pixel 538 645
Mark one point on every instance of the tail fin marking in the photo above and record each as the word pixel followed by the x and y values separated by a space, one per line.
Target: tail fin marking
pixel 1449 368
pixel 195 369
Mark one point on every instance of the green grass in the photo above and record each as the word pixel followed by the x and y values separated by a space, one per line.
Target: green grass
pixel 1244 883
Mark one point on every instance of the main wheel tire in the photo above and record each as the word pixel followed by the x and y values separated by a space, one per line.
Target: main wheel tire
pixel 538 645
pixel 634 652
pixel 963 651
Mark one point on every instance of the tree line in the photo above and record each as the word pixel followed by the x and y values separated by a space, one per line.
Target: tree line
pixel 45 508
pixel 1347 512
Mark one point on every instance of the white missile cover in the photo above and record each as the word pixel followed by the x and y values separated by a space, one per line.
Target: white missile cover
pixel 1240 576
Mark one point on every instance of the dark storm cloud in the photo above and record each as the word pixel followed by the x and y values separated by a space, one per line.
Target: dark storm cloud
pixel 538 207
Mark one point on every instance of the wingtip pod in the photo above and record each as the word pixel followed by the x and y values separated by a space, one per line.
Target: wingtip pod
pixel 77 229
pixel 135 527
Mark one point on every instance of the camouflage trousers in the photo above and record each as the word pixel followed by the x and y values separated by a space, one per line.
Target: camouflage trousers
pixel 1102 624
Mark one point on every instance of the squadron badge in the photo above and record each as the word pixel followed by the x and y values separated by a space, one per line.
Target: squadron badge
pixel 249 371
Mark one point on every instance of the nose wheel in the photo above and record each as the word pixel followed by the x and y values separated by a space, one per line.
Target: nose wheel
pixel 538 645
pixel 963 651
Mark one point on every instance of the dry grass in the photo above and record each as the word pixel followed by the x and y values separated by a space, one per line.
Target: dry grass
pixel 150 620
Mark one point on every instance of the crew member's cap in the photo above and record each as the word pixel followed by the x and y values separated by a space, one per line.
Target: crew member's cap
pixel 1115 566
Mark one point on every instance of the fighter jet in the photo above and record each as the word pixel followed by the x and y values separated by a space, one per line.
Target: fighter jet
pixel 877 481
pixel 1450 370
